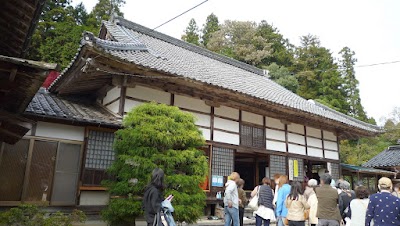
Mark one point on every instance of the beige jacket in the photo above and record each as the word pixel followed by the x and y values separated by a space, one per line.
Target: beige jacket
pixel 313 202
pixel 296 208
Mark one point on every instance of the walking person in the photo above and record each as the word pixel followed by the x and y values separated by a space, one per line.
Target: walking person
pixel 383 208
pixel 345 198
pixel 296 204
pixel 283 192
pixel 328 212
pixel 396 190
pixel 231 200
pixel 358 207
pixel 276 180
pixel 265 212
pixel 242 201
pixel 313 202
pixel 152 198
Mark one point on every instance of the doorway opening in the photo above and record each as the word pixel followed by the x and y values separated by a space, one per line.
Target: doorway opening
pixel 315 169
pixel 252 169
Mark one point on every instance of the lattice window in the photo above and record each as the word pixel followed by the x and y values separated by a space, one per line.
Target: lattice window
pixel 278 164
pixel 300 169
pixel 252 136
pixel 99 156
pixel 222 161
pixel 335 171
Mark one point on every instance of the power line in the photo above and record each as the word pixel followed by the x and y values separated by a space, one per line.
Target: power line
pixel 376 64
pixel 201 3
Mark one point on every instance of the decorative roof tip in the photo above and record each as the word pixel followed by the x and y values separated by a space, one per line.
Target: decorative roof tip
pixel 394 148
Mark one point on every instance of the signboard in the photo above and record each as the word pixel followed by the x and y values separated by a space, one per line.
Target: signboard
pixel 291 170
pixel 295 168
pixel 217 181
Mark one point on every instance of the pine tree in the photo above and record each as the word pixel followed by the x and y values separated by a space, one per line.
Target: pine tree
pixel 192 33
pixel 350 84
pixel 211 26
pixel 157 135
pixel 283 77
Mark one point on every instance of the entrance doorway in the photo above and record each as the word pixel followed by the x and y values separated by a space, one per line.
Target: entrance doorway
pixel 252 169
pixel 314 169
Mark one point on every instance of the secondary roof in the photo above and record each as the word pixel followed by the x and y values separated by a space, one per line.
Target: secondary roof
pixel 387 158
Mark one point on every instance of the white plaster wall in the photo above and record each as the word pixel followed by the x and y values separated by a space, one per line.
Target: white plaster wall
pixel 149 94
pixel 129 104
pixel 206 133
pixel 191 103
pixel 224 137
pixel 94 198
pixel 332 155
pixel 297 128
pixel 201 119
pixel 227 112
pixel 55 130
pixel 330 145
pixel 329 136
pixel 276 145
pixel 313 132
pixel 252 118
pixel 295 138
pixel 114 107
pixel 274 123
pixel 224 124
pixel 275 134
pixel 315 152
pixel 297 149
pixel 315 142
pixel 111 95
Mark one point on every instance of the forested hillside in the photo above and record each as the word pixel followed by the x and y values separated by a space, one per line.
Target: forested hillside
pixel 310 69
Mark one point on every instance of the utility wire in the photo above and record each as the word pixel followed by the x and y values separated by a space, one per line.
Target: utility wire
pixel 201 3
pixel 376 64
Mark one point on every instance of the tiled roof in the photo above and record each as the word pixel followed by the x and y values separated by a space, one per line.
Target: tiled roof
pixel 353 168
pixel 387 158
pixel 173 56
pixel 71 109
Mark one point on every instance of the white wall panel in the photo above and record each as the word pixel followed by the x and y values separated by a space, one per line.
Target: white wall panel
pixel 275 134
pixel 276 146
pixel 332 155
pixel 274 123
pixel 149 94
pixel 295 138
pixel 130 104
pixel 224 137
pixel 227 112
pixel 297 149
pixel 206 133
pixel 114 107
pixel 330 145
pixel 111 95
pixel 297 128
pixel 329 136
pixel 315 142
pixel 315 152
pixel 94 198
pixel 226 124
pixel 313 132
pixel 60 131
pixel 192 104
pixel 252 118
pixel 202 120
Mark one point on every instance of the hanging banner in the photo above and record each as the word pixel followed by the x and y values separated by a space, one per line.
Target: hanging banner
pixel 295 168
pixel 291 170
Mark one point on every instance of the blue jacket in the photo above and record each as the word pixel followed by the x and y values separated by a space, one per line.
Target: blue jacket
pixel 283 192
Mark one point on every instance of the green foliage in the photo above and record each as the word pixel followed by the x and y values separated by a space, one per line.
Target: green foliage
pixel 31 215
pixel 240 40
pixel 192 33
pixel 157 135
pixel 283 77
pixel 211 26
pixel 103 10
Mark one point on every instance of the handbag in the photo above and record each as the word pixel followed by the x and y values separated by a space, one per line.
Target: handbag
pixel 253 204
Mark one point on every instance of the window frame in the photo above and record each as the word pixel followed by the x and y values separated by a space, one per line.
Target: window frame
pixel 252 128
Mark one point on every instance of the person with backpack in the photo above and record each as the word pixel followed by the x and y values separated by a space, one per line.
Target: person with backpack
pixel 297 205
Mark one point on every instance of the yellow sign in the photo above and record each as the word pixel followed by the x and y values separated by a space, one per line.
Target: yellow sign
pixel 295 168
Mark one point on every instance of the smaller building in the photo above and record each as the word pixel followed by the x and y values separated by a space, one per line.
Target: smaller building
pixel 388 159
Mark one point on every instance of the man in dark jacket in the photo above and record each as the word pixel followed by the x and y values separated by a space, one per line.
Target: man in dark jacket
pixel 328 211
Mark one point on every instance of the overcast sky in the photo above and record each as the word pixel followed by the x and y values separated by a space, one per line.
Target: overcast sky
pixel 370 28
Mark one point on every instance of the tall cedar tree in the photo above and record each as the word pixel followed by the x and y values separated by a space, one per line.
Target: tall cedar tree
pixel 157 135
pixel 59 31
pixel 350 84
pixel 283 77
pixel 192 33
pixel 211 26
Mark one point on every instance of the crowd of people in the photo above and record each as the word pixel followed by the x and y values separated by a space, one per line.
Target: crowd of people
pixel 323 203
